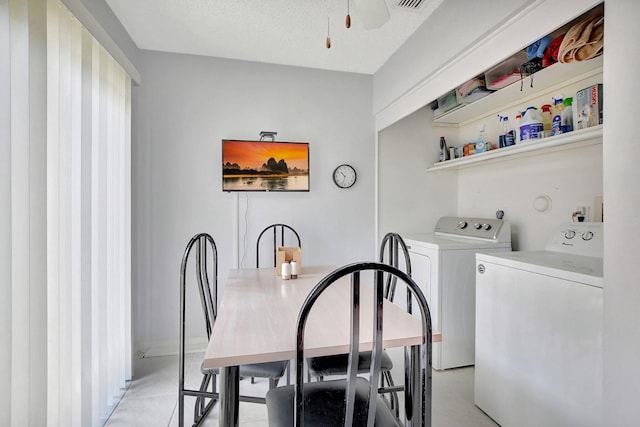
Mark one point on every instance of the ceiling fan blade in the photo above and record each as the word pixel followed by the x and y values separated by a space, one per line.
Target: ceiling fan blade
pixel 372 13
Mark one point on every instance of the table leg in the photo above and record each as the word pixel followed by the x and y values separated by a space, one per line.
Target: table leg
pixel 413 384
pixel 229 396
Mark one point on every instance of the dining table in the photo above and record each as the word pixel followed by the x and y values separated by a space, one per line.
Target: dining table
pixel 256 322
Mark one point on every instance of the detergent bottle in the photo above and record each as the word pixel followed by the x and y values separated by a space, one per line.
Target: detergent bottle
pixel 531 126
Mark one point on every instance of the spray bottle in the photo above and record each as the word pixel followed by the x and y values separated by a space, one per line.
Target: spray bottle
pixel 481 145
pixel 508 136
pixel 444 150
pixel 567 116
pixel 558 107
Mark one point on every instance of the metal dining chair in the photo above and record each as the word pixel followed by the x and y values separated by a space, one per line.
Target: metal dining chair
pixel 280 234
pixel 390 248
pixel 206 277
pixel 354 401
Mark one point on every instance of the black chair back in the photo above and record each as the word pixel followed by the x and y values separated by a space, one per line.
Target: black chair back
pixel 206 274
pixel 417 384
pixel 280 233
pixel 390 248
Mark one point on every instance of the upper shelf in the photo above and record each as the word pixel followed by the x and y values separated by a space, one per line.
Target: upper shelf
pixel 550 79
pixel 575 139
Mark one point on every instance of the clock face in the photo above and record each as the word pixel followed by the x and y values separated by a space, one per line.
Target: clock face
pixel 344 176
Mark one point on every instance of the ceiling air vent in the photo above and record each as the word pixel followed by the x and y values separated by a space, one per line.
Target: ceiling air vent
pixel 410 4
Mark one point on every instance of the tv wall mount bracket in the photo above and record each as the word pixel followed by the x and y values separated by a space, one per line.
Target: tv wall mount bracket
pixel 268 134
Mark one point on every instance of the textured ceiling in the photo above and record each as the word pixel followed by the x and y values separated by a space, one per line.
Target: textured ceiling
pixel 289 32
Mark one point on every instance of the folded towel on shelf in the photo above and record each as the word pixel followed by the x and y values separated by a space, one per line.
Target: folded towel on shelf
pixel 536 49
pixel 551 54
pixel 470 85
pixel 583 41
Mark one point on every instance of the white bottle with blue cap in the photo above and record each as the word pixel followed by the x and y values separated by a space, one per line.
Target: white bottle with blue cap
pixel 531 126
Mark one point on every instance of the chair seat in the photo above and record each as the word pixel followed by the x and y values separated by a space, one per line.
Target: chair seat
pixel 324 405
pixel 337 364
pixel 273 370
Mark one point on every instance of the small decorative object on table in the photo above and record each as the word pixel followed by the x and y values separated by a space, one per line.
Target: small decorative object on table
pixel 288 255
pixel 286 271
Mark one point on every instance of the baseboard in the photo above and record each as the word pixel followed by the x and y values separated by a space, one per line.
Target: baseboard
pixel 169 348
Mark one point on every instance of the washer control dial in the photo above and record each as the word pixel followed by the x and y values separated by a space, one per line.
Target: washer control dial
pixel 462 225
pixel 486 227
pixel 569 234
pixel 587 235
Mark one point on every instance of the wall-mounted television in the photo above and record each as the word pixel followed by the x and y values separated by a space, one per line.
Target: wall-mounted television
pixel 265 165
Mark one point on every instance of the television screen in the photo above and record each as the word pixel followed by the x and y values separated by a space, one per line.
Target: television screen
pixel 265 165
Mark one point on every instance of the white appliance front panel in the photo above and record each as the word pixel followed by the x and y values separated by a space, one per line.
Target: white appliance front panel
pixel 538 349
pixel 425 271
pixel 447 278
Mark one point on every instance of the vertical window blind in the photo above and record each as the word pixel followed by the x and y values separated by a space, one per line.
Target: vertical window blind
pixel 89 226
pixel 66 216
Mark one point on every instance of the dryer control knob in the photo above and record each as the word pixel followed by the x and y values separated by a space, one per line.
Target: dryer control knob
pixel 462 225
pixel 477 226
pixel 569 234
pixel 587 235
pixel 486 227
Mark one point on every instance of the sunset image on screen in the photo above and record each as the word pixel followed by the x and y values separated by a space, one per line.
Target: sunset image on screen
pixel 265 166
pixel 252 154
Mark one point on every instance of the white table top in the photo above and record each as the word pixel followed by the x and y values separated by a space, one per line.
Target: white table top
pixel 258 312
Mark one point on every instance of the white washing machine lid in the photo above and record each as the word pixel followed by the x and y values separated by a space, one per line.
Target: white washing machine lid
pixel 438 242
pixel 576 268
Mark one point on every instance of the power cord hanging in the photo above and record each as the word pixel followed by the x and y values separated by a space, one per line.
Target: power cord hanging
pixel 246 227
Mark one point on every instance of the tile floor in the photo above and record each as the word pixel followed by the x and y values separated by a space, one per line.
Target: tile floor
pixel 151 398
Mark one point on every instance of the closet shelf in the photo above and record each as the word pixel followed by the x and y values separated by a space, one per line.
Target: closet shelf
pixel 576 139
pixel 548 79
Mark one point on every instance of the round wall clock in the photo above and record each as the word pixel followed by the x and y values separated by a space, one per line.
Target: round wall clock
pixel 344 176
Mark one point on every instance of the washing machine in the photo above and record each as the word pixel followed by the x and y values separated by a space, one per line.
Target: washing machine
pixel 539 331
pixel 443 265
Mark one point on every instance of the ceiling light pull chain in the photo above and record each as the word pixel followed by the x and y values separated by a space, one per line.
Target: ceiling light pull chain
pixel 328 35
pixel 347 20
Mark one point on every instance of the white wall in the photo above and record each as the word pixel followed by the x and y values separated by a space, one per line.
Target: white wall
pixel 410 200
pixel 569 178
pixel 622 218
pixel 5 217
pixel 183 109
